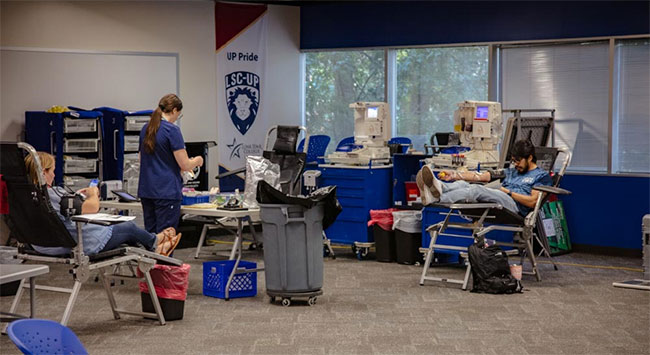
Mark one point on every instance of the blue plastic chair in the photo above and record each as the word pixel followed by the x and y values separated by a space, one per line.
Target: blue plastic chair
pixel 42 336
pixel 344 144
pixel 317 147
pixel 405 142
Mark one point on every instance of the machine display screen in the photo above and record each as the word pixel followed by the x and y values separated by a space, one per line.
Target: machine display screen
pixel 374 111
pixel 482 112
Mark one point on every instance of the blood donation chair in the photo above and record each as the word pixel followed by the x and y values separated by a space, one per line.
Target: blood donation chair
pixel 33 221
pixel 282 141
pixel 483 218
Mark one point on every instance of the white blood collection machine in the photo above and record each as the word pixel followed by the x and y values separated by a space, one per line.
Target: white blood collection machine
pixel 478 124
pixel 372 130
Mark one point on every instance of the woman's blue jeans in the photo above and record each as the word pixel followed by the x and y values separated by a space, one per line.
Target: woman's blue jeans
pixel 129 233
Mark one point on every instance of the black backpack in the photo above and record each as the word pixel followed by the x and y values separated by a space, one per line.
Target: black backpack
pixel 491 271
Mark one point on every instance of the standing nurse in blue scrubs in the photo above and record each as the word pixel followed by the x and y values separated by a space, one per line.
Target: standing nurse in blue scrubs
pixel 162 158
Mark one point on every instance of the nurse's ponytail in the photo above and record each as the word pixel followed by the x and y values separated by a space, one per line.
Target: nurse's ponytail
pixel 167 104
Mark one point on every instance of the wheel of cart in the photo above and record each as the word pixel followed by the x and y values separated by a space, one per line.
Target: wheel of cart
pixel 287 297
pixel 362 249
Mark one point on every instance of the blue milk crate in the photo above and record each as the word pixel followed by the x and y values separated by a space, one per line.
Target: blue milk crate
pixel 215 278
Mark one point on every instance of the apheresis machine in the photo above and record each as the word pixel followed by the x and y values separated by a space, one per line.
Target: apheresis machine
pixel 478 124
pixel 372 130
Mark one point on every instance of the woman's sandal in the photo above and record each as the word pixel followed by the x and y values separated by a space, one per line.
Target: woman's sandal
pixel 173 244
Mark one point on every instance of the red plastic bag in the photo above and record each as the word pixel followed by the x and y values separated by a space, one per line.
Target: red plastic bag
pixel 4 197
pixel 384 218
pixel 170 282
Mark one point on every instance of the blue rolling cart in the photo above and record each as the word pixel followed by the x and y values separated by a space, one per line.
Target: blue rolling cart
pixel 74 138
pixel 358 189
pixel 121 139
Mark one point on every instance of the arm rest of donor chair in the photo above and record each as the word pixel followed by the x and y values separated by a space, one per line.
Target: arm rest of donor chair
pixel 552 190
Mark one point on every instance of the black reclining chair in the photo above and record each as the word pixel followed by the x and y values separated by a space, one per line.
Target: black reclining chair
pixel 292 164
pixel 32 221
pixel 483 218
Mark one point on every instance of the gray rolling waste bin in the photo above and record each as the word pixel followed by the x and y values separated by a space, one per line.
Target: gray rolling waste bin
pixel 293 251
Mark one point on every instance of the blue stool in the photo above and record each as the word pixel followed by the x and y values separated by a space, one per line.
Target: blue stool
pixel 41 336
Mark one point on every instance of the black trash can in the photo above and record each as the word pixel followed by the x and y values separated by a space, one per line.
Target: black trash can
pixel 408 236
pixel 385 250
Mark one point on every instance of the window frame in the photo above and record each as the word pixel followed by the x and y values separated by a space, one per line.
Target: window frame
pixel 494 81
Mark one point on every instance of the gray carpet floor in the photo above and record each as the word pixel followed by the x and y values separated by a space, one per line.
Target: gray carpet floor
pixel 370 307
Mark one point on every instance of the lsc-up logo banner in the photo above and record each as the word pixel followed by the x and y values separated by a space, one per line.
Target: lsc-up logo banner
pixel 241 36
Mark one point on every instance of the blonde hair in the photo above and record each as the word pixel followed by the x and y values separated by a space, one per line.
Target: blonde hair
pixel 47 163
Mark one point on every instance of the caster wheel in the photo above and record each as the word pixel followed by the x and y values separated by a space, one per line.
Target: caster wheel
pixel 311 301
pixel 252 246
pixel 354 249
pixel 326 252
pixel 286 302
pixel 362 253
pixel 272 299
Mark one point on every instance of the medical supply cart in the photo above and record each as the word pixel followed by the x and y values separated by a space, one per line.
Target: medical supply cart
pixel 121 139
pixel 358 189
pixel 74 138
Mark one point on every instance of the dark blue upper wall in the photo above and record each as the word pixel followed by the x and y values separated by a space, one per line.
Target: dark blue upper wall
pixel 404 23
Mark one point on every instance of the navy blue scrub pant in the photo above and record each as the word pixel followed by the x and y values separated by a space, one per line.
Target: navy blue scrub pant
pixel 160 214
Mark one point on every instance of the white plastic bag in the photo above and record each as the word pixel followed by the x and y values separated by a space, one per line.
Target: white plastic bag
pixel 408 221
pixel 258 168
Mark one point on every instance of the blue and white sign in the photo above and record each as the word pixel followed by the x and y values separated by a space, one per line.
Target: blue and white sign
pixel 241 117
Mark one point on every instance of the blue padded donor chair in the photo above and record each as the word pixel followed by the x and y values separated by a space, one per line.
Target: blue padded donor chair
pixel 317 147
pixel 345 144
pixel 42 336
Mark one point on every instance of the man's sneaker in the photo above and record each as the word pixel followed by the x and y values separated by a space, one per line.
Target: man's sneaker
pixel 425 193
pixel 431 181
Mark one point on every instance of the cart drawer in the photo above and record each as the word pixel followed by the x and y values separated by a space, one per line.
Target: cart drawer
pixel 131 143
pixel 135 123
pixel 76 182
pixel 76 165
pixel 81 145
pixel 79 125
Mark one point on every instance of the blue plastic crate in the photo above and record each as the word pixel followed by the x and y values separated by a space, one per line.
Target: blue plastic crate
pixel 215 278
pixel 190 200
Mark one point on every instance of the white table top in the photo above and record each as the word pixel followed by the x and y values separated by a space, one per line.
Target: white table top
pixel 254 214
pixel 13 272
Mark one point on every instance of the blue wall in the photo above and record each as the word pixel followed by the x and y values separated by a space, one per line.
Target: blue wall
pixel 606 210
pixel 404 23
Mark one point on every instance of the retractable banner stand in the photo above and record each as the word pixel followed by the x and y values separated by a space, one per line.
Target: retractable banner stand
pixel 241 40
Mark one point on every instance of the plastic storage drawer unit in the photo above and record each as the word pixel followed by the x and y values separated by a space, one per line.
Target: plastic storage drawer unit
pixel 79 125
pixel 75 165
pixel 135 123
pixel 131 143
pixel 76 182
pixel 80 145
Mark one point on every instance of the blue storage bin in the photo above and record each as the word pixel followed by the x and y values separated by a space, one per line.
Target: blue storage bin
pixel 215 278
pixel 190 200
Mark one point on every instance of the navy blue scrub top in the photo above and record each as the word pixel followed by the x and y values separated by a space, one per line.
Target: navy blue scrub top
pixel 160 175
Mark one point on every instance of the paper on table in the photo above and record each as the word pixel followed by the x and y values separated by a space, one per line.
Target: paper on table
pixel 107 217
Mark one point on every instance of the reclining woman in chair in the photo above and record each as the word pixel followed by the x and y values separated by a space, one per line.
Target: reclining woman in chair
pixel 96 238
pixel 515 193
